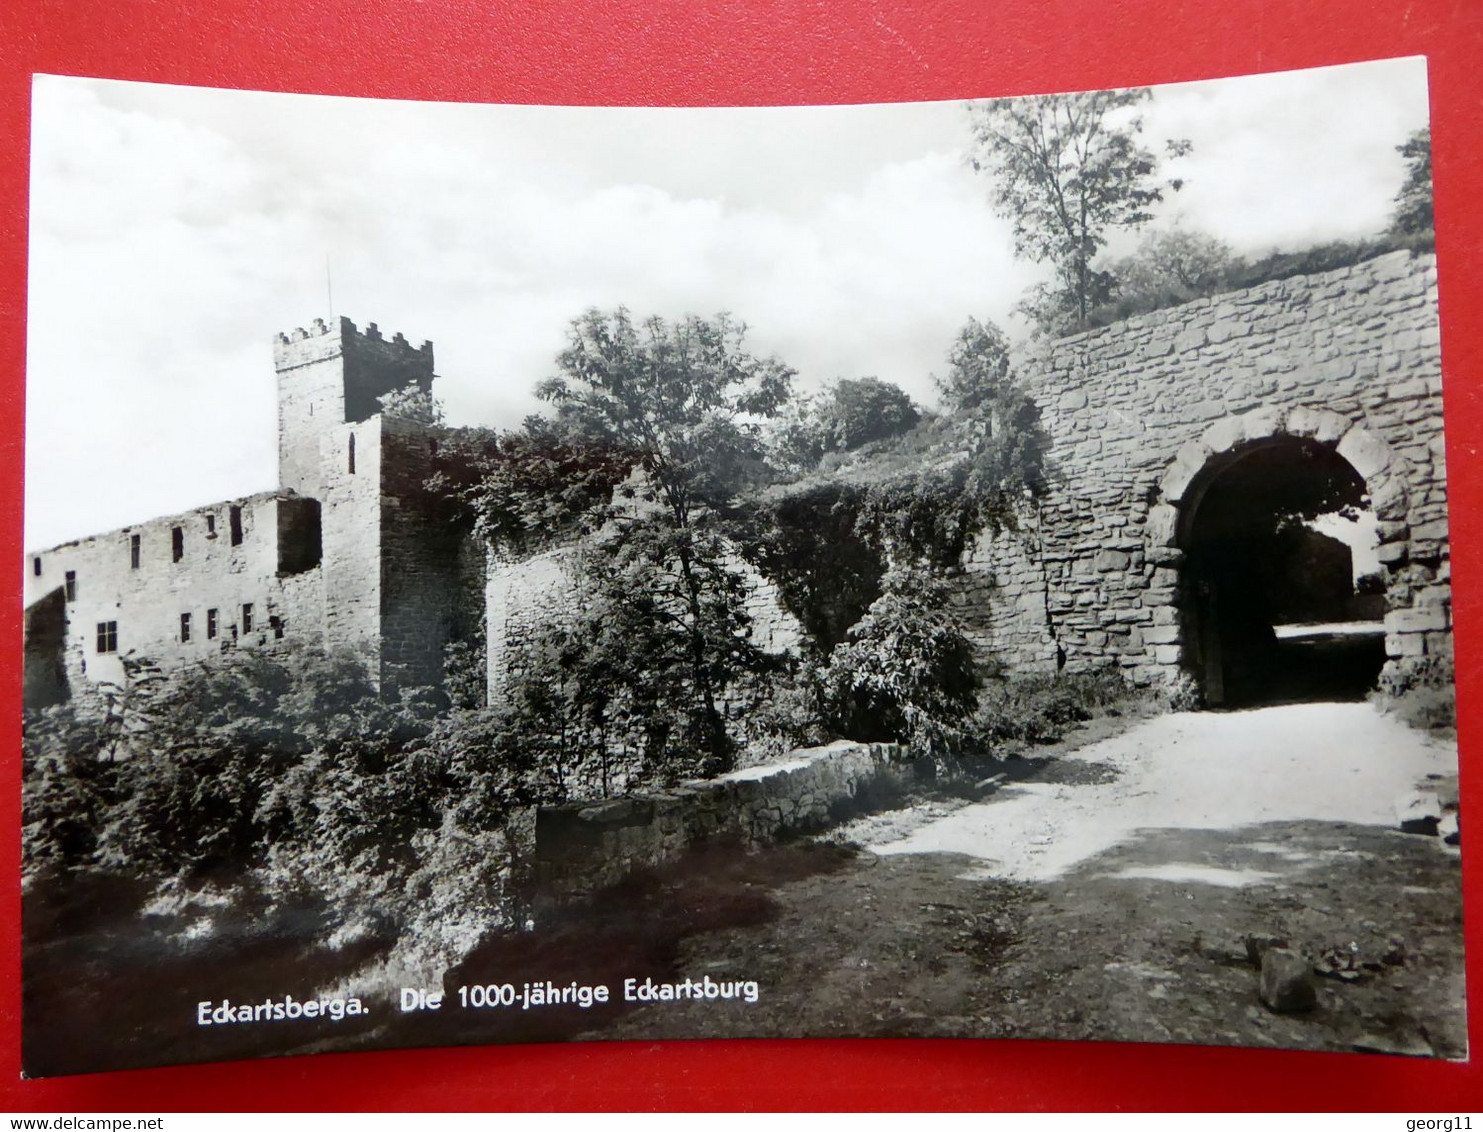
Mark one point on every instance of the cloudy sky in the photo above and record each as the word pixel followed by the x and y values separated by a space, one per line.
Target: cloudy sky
pixel 175 230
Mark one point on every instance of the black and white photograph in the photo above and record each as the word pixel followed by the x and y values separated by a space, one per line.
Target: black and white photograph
pixel 971 569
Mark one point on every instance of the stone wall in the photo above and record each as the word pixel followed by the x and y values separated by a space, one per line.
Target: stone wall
pixel 1137 413
pixel 522 593
pixel 432 583
pixel 350 521
pixel 519 595
pixel 350 554
pixel 582 846
pixel 208 565
pixel 331 373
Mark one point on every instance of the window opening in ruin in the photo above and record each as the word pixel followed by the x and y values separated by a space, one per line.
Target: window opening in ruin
pixel 71 584
pixel 276 624
pixel 247 617
pixel 133 552
pixel 211 624
pixel 36 566
pixel 352 453
pixel 107 636
pixel 234 521
pixel 1284 593
pixel 177 543
pixel 185 628
pixel 210 526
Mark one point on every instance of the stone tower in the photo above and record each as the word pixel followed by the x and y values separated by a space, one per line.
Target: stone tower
pixel 332 375
pixel 335 446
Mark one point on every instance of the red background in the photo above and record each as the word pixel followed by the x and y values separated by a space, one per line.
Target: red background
pixel 755 52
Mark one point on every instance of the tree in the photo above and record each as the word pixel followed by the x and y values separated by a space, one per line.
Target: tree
pixel 411 403
pixel 978 369
pixel 859 411
pixel 848 414
pixel 1068 170
pixel 1178 261
pixel 907 673
pixel 1169 268
pixel 1007 456
pixel 1413 203
pixel 685 399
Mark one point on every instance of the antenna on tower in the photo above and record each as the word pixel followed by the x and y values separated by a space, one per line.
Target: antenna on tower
pixel 329 285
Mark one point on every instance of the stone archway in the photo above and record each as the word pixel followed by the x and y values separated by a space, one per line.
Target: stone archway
pixel 1199 637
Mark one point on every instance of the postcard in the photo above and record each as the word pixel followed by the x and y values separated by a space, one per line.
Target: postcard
pixel 509 574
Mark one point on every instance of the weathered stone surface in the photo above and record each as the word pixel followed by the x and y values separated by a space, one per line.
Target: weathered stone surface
pixel 1287 985
pixel 1335 359
pixel 582 846
pixel 1258 945
pixel 1418 812
pixel 1449 829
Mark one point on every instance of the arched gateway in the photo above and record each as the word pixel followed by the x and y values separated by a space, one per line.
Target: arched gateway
pixel 1269 604
pixel 1229 468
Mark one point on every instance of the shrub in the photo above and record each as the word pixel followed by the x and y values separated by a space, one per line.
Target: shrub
pixel 1423 694
pixel 907 672
pixel 1041 708
pixel 781 713
pixel 67 788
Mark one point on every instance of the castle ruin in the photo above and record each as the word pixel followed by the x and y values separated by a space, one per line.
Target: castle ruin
pixel 1167 431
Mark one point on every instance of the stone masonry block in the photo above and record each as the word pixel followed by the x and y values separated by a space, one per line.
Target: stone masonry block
pixel 1429 618
pixel 1405 644
pixel 1367 453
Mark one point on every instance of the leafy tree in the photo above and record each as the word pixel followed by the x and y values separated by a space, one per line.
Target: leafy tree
pixel 978 370
pixel 907 672
pixel 1068 169
pixel 1008 450
pixel 1177 263
pixel 846 415
pixel 684 398
pixel 412 403
pixel 1413 203
pixel 615 691
pixel 859 411
pixel 527 488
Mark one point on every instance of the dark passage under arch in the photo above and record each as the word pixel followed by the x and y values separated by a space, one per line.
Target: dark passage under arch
pixel 1274 608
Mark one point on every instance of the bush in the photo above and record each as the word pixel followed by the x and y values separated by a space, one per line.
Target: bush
pixel 67 789
pixel 1041 708
pixel 779 714
pixel 1423 695
pixel 288 771
pixel 907 673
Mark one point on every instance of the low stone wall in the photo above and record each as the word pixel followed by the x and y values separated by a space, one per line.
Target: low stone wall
pixel 583 846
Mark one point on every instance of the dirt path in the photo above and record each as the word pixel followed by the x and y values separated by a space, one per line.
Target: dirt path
pixel 1193 770
pixel 1110 898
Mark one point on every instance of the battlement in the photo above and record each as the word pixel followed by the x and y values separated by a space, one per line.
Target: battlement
pixel 323 339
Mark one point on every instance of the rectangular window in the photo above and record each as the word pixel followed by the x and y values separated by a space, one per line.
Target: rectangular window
pixel 247 617
pixel 71 582
pixel 211 625
pixel 108 636
pixel 36 566
pixel 352 453
pixel 276 624
pixel 210 526
pixel 234 519
pixel 185 628
pixel 133 552
pixel 177 543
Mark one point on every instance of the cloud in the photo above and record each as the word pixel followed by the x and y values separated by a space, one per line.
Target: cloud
pixel 174 231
